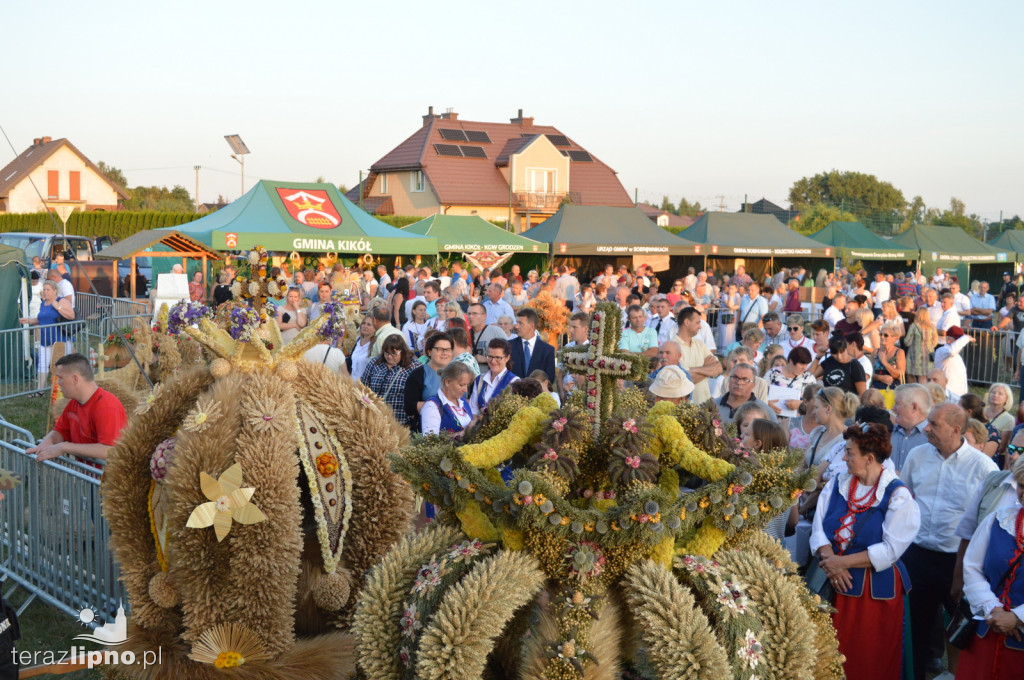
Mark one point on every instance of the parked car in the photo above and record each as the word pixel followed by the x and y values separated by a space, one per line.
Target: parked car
pixel 46 246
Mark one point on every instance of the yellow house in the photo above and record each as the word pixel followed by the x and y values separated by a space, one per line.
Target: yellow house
pixel 61 175
pixel 515 171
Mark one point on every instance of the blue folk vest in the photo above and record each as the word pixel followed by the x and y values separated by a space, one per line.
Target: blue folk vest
pixel 1001 547
pixel 867 531
pixel 449 423
pixel 478 388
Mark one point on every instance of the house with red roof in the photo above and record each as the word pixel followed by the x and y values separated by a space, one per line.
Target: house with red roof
pixel 664 218
pixel 515 171
pixel 53 172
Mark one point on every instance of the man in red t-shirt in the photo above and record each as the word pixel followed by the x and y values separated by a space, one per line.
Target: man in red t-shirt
pixel 91 422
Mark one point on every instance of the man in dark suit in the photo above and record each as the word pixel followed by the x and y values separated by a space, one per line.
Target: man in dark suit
pixel 529 352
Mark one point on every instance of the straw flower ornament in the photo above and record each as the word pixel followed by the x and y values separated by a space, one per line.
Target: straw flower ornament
pixel 205 410
pixel 228 500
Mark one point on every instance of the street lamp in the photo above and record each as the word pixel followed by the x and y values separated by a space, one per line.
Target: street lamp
pixel 240 150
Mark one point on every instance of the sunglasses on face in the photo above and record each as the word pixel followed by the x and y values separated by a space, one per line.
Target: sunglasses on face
pixel 796 328
pixel 1014 450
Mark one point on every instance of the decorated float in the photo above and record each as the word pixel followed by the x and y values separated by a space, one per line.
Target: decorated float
pixel 247 498
pixel 608 538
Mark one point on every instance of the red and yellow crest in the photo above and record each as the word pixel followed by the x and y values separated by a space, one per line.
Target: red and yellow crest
pixel 311 207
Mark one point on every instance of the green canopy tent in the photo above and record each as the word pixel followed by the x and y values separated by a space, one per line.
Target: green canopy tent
pixel 955 251
pixel 14 346
pixel 854 241
pixel 589 237
pixel 306 217
pixel 1012 241
pixel 483 243
pixel 756 241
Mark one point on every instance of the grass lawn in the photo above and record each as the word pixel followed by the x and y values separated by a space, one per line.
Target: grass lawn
pixel 44 628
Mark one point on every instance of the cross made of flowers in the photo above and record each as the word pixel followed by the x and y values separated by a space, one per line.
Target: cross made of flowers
pixel 602 364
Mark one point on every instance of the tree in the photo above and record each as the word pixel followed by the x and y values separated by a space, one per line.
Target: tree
pixel 342 189
pixel 667 204
pixel 688 209
pixel 320 179
pixel 160 198
pixel 956 216
pixel 113 174
pixel 817 218
pixel 855 191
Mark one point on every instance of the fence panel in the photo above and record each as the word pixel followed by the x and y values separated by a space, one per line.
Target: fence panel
pixel 53 537
pixel 993 357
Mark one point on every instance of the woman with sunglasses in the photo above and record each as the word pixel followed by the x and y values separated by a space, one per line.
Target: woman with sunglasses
pixel 867 518
pixel 795 335
pixel 890 361
pixel 676 294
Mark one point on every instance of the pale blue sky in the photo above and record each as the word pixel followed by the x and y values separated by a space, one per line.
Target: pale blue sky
pixel 687 99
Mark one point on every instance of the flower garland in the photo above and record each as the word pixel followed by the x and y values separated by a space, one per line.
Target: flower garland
pixel 524 427
pixel 706 541
pixel 185 313
pixel 672 445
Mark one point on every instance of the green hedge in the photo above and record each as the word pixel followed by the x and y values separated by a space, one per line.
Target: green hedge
pixel 114 224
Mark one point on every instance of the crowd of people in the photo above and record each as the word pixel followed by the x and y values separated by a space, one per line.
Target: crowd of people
pixel 917 499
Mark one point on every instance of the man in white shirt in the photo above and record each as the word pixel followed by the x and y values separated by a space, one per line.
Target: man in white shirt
pixel 384 281
pixel 950 363
pixel 663 323
pixel 961 302
pixel 696 358
pixel 950 317
pixel 983 305
pixel 943 475
pixel 566 286
pixel 774 333
pixel 931 302
pixel 834 314
pixel 939 279
pixel 494 304
pixel 881 290
pixel 64 287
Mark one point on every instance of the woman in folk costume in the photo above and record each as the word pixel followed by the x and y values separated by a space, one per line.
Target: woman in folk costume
pixel 866 519
pixel 448 412
pixel 994 587
pixel 493 382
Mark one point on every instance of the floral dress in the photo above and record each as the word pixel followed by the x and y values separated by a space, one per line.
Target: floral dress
pixel 920 343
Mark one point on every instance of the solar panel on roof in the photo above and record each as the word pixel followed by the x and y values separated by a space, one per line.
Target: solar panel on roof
pixel 453 135
pixel 559 140
pixel 448 150
pixel 478 136
pixel 582 156
pixel 473 151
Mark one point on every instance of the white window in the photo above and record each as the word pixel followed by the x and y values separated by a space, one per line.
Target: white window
pixel 418 182
pixel 383 183
pixel 541 180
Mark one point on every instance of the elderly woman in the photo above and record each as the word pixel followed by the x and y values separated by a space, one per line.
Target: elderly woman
pixel 52 311
pixel 994 587
pixel 386 375
pixel 448 412
pixel 196 289
pixel 890 364
pixel 866 519
pixel 291 318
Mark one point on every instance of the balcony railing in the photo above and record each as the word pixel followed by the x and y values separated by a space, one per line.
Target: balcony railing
pixel 531 201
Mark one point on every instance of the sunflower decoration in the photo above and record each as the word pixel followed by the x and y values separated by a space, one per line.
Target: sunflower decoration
pixel 228 645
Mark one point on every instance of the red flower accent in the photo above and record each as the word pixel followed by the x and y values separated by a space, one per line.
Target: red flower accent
pixel 633 461
pixel 592 393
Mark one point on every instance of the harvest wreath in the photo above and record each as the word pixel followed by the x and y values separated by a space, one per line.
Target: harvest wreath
pixel 606 524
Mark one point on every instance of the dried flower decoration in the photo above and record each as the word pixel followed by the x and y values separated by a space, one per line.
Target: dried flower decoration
pixel 198 419
pixel 228 500
pixel 228 645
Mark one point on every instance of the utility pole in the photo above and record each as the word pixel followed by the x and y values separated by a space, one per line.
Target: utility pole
pixel 196 167
pixel 636 197
pixel 721 202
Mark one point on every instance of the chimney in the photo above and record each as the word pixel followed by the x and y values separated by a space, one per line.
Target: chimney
pixel 430 115
pixel 45 140
pixel 449 114
pixel 520 121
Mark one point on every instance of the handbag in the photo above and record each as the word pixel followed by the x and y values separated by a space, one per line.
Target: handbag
pixel 962 625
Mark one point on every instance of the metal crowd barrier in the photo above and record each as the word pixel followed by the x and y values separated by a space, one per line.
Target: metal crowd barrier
pixel 18 359
pixel 53 538
pixel 92 310
pixel 993 357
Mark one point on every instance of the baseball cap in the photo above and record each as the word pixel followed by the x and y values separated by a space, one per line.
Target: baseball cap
pixel 955 332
